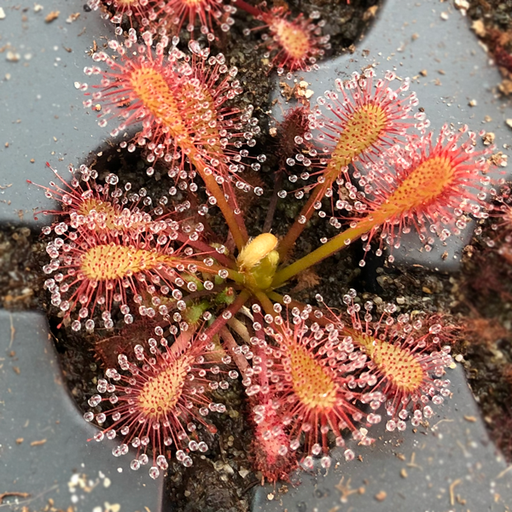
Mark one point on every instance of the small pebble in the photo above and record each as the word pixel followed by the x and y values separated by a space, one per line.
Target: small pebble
pixel 381 495
pixel 12 56
pixel 488 138
pixel 462 5
pixel 2 13
pixel 52 16
pixel 243 472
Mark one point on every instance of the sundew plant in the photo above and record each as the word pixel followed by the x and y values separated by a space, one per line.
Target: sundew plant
pixel 179 297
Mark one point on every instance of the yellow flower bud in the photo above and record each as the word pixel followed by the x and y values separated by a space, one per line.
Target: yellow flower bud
pixel 257 249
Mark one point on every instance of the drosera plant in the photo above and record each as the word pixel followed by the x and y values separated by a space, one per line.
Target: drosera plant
pixel 209 14
pixel 310 376
pixel 291 42
pixel 407 358
pixel 205 306
pixel 168 16
pixel 498 236
pixel 97 258
pixel 140 10
pixel 321 375
pixel 434 188
pixel 160 401
pixel 104 208
pixel 368 118
pixel 181 100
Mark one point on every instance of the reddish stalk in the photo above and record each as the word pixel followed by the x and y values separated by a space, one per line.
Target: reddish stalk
pixel 305 215
pixel 235 223
pixel 254 11
pixel 266 303
pixel 205 248
pixel 229 312
pixel 232 348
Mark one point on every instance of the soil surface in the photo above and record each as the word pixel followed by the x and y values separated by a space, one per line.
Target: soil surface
pixel 492 23
pixel 483 291
pixel 481 301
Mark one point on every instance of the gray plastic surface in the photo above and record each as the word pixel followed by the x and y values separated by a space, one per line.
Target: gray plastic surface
pixel 42 115
pixel 44 450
